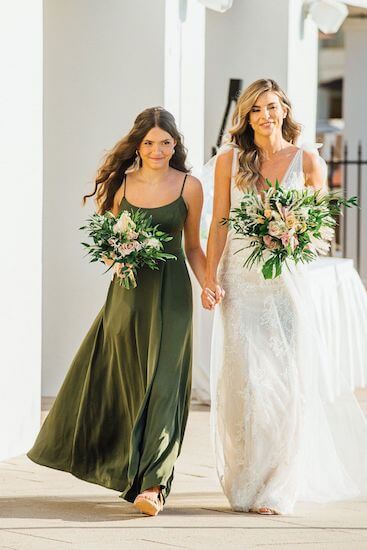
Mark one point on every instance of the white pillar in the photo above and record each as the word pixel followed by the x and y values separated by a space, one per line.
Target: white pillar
pixel 184 97
pixel 261 39
pixel 355 116
pixel 21 213
pixel 185 74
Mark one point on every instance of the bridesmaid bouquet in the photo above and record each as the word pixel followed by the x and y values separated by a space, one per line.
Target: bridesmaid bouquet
pixel 130 240
pixel 286 224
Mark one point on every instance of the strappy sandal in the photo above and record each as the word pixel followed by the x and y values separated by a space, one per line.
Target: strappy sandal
pixel 264 511
pixel 149 506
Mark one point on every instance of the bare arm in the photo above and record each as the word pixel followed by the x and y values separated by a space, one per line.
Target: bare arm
pixel 193 196
pixel 221 207
pixel 314 174
pixel 114 210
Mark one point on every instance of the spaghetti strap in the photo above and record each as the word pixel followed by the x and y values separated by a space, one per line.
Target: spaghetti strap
pixel 124 184
pixel 183 185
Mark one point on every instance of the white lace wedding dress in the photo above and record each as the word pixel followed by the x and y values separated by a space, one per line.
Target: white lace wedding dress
pixel 282 430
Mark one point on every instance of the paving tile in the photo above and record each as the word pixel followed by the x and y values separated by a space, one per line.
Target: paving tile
pixel 44 509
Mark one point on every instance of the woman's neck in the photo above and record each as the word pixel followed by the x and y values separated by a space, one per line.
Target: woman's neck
pixel 153 175
pixel 270 145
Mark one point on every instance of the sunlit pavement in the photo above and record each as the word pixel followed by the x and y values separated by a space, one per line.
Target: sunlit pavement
pixel 44 509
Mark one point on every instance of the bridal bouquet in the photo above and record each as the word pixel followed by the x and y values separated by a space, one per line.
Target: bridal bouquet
pixel 286 224
pixel 130 240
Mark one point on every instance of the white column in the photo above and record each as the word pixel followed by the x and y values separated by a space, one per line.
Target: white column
pixel 21 213
pixel 261 39
pixel 355 116
pixel 301 67
pixel 185 73
pixel 184 97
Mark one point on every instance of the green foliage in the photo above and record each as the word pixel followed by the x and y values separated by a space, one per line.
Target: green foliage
pixel 132 245
pixel 286 224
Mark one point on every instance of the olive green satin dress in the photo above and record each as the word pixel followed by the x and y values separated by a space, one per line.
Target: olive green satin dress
pixel 120 415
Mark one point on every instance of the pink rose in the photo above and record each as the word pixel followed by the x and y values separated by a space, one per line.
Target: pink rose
pixel 126 248
pixel 270 243
pixel 285 238
pixel 294 242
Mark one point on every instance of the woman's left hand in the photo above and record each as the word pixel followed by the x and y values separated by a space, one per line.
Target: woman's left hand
pixel 208 300
pixel 209 297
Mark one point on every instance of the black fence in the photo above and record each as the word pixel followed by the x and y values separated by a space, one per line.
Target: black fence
pixel 339 178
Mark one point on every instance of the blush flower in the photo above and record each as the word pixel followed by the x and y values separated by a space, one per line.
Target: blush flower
pixel 268 213
pixel 270 243
pixel 285 237
pixel 291 220
pixel 124 223
pixel 126 248
pixel 276 228
pixel 152 243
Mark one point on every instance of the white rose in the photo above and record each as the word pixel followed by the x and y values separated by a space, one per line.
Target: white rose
pixel 251 210
pixel 276 228
pixel 152 243
pixel 303 212
pixel 124 223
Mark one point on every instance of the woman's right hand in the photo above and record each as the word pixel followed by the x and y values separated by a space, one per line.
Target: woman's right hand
pixel 212 294
pixel 107 261
pixel 208 298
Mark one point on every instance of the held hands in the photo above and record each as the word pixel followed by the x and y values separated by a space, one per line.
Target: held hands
pixel 211 295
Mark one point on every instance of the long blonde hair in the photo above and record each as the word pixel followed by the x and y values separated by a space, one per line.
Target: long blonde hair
pixel 241 134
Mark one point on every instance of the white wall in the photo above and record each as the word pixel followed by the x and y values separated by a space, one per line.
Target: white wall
pixel 260 39
pixel 104 63
pixel 21 195
pixel 355 116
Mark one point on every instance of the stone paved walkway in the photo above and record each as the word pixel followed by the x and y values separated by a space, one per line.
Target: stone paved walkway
pixel 44 509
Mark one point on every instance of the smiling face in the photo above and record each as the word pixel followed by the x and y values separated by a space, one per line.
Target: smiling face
pixel 157 148
pixel 267 114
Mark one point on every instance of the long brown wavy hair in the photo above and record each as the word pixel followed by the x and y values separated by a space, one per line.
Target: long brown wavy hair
pixel 250 155
pixel 111 173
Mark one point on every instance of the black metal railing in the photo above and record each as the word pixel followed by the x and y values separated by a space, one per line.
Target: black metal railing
pixel 339 179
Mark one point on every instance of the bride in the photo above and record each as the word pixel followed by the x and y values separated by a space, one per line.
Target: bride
pixel 281 432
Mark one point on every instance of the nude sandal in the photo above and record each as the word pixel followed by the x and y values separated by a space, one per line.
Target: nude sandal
pixel 264 511
pixel 149 506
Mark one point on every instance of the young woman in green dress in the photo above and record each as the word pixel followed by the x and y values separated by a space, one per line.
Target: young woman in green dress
pixel 120 415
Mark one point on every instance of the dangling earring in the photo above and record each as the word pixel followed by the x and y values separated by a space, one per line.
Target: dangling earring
pixel 137 161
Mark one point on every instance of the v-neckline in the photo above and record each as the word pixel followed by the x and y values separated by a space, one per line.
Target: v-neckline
pixel 281 182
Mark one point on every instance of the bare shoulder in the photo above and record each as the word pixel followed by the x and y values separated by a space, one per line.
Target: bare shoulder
pixel 310 160
pixel 193 187
pixel 224 160
pixel 223 167
pixel 193 183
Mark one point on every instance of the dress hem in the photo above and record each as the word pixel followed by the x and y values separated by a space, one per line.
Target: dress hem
pixel 113 486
